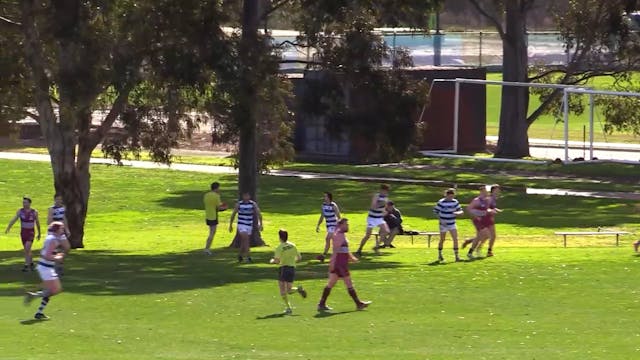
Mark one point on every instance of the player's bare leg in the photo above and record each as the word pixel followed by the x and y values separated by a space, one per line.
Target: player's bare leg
pixel 443 237
pixel 492 240
pixel 364 240
pixel 244 247
pixel 28 257
pixel 382 234
pixel 454 237
pixel 212 233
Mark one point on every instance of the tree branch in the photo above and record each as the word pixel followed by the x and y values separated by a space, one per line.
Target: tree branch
pixel 496 23
pixel 545 74
pixel 8 23
pixel 273 8
pixel 116 109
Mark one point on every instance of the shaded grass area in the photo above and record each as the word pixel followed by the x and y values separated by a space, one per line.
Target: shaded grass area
pixel 142 289
pixel 593 177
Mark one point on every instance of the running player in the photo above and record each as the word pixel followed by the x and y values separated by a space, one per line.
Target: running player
pixel 375 218
pixel 339 267
pixel 246 209
pixel 286 255
pixel 57 213
pixel 28 223
pixel 447 209
pixel 330 212
pixel 489 219
pixel 212 204
pixel 636 245
pixel 494 194
pixel 46 268
pixel 478 208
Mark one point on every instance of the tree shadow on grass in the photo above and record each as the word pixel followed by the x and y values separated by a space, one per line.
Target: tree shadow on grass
pixel 111 272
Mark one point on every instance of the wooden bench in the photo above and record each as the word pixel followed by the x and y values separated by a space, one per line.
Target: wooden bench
pixel 591 233
pixel 413 233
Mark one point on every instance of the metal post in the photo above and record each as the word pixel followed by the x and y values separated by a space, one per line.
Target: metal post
pixel 565 104
pixel 480 50
pixel 456 116
pixel 393 58
pixel 437 43
pixel 590 126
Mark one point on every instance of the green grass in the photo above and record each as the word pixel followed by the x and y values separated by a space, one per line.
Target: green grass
pixel 142 289
pixel 589 177
pixel 547 126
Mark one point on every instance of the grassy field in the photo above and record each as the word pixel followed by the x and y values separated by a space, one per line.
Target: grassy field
pixel 548 127
pixel 142 289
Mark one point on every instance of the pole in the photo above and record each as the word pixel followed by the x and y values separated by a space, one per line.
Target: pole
pixel 590 126
pixel 480 50
pixel 437 43
pixel 584 142
pixel 565 105
pixel 456 116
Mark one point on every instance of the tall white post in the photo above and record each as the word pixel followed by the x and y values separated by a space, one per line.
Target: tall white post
pixel 591 126
pixel 456 116
pixel 565 104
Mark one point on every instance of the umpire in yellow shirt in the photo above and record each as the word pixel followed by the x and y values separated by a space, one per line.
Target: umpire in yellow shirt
pixel 212 204
pixel 286 255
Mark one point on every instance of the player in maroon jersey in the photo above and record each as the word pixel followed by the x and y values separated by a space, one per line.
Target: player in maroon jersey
pixel 339 267
pixel 29 223
pixel 479 210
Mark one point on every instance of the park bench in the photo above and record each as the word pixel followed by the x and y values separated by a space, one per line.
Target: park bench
pixel 413 233
pixel 591 233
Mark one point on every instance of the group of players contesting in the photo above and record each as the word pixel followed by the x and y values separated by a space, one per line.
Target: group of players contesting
pixel 382 214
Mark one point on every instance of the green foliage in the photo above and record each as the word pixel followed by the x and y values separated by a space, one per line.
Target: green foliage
pixel 351 90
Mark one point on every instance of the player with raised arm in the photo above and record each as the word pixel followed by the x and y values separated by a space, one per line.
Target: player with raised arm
pixel 212 205
pixel 286 255
pixel 46 268
pixel 339 268
pixel 246 209
pixel 29 222
pixel 447 209
pixel 330 213
pixel 375 218
pixel 479 208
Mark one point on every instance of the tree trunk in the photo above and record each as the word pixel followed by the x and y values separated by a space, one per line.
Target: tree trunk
pixel 513 140
pixel 247 101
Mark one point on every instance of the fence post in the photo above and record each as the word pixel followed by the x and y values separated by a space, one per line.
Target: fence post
pixel 480 50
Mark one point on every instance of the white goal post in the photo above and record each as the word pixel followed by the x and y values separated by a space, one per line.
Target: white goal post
pixel 591 93
pixel 456 104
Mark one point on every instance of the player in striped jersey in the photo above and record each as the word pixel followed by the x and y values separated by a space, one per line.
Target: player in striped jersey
pixel 447 209
pixel 29 222
pixel 330 213
pixel 57 213
pixel 46 267
pixel 377 212
pixel 247 210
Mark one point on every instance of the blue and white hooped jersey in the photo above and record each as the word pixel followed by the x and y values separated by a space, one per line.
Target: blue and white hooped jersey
pixel 329 213
pixel 245 212
pixel 378 211
pixel 58 213
pixel 445 210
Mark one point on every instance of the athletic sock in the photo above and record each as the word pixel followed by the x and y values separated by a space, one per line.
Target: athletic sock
pixel 43 304
pixel 440 252
pixel 43 293
pixel 489 250
pixel 354 296
pixel 455 251
pixel 294 289
pixel 325 295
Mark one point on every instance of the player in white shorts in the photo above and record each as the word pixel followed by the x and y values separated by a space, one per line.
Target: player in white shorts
pixel 447 209
pixel 46 267
pixel 377 212
pixel 330 213
pixel 246 209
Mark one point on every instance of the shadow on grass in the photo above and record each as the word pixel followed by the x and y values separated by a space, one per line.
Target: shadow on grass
pixel 110 272
pixel 275 316
pixel 33 321
pixel 326 314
